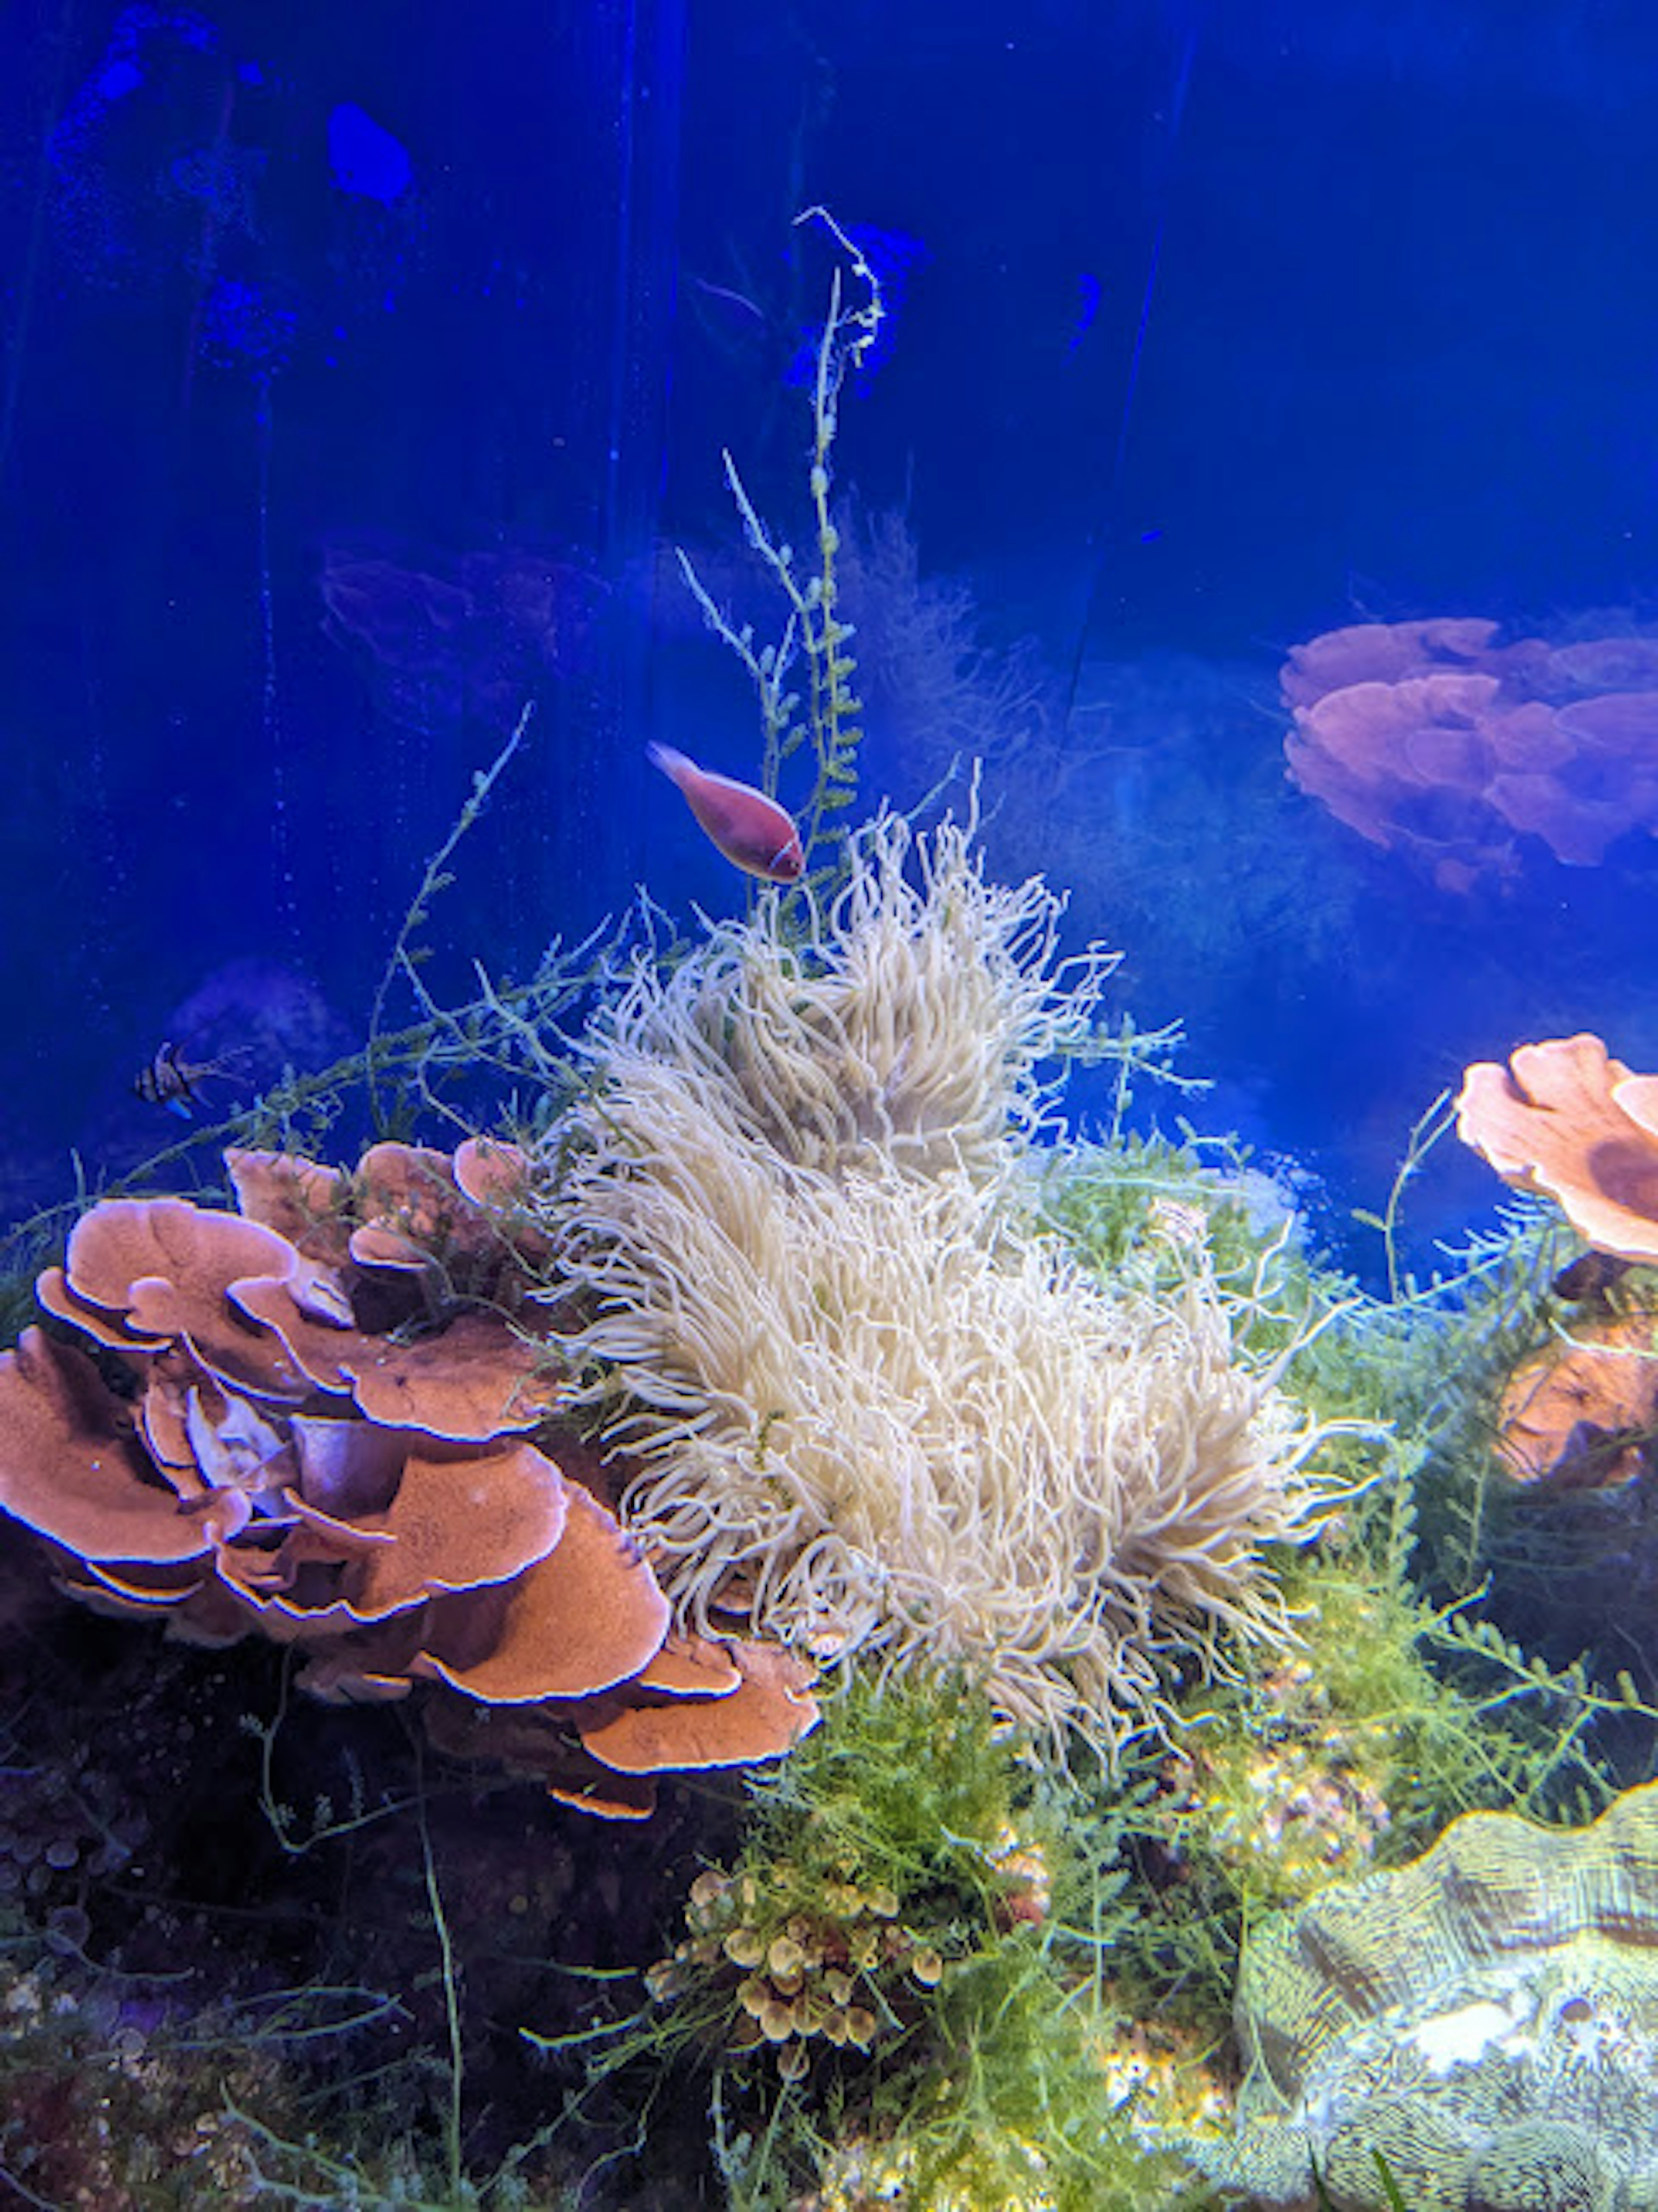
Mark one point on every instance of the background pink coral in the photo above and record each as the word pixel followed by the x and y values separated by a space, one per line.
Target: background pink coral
pixel 1431 738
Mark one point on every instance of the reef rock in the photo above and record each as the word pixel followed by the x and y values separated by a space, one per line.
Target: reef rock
pixel 1486 2018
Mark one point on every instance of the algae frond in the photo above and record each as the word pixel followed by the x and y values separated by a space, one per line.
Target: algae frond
pixel 898 1984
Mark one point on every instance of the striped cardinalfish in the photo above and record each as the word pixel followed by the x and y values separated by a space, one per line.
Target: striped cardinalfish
pixel 168 1079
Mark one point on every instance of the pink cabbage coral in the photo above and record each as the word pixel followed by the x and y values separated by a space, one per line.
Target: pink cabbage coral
pixel 1432 739
pixel 312 1420
pixel 1566 1120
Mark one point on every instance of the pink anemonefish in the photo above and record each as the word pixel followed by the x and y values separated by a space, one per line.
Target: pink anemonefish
pixel 752 831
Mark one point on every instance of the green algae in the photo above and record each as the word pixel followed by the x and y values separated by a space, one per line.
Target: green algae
pixel 965 1900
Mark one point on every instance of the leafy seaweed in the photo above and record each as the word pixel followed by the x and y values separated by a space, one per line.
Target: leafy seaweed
pixel 813 632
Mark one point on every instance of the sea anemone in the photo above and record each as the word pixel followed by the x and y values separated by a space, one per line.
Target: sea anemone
pixel 873 1406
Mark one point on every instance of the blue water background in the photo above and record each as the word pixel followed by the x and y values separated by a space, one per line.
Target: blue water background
pixel 358 368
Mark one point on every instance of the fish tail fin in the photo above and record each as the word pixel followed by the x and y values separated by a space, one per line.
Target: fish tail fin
pixel 672 763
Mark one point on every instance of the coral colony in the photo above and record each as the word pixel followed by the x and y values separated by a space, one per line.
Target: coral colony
pixel 1432 739
pixel 1102 1602
pixel 1485 2018
pixel 283 1460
